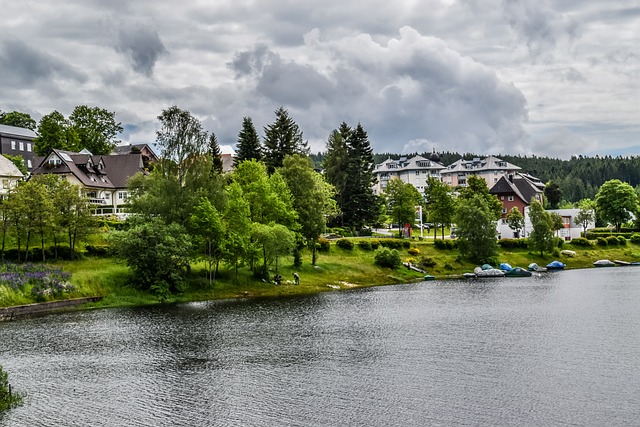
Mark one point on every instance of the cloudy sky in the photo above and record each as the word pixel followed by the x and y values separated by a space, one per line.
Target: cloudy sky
pixel 546 77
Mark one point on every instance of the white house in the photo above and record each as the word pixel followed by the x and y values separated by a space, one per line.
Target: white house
pixel 491 169
pixel 415 171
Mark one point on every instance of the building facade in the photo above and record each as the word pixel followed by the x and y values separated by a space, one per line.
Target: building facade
pixel 491 169
pixel 16 141
pixel 414 171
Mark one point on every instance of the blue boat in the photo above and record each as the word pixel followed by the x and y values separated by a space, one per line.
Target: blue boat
pixel 556 265
pixel 505 267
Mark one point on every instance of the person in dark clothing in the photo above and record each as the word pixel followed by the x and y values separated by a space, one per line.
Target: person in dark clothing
pixel 296 278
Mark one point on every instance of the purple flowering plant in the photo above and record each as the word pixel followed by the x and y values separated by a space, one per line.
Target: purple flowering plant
pixel 43 280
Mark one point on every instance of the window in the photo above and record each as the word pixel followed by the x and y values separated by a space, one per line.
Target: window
pixel 417 172
pixel 29 164
pixel 504 210
pixel 510 198
pixel 13 145
pixel 501 197
pixel 29 146
pixel 5 184
pixel 21 146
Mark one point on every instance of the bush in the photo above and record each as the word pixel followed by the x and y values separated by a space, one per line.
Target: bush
pixel 375 244
pixel 513 243
pixel 601 241
pixel 581 241
pixel 444 244
pixel 345 244
pixel 612 240
pixel 98 251
pixel 8 398
pixel 635 238
pixel 324 245
pixel 427 261
pixel 622 241
pixel 365 245
pixel 389 258
pixel 406 244
pixel 392 243
pixel 365 232
pixel 559 242
pixel 414 251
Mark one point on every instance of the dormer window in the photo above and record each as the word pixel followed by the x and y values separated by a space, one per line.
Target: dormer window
pixel 54 161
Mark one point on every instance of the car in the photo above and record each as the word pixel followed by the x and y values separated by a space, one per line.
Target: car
pixel 453 233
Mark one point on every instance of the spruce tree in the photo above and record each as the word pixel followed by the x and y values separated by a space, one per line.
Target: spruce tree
pixel 216 154
pixel 360 204
pixel 335 165
pixel 248 147
pixel 282 138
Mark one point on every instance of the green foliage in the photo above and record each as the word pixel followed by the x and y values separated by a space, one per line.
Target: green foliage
pixel 427 262
pixel 335 164
pixel 635 238
pixel 553 194
pixel 216 154
pixel 602 241
pixel 616 201
pixel 282 138
pixel 365 245
pixel 157 253
pixel 96 128
pixel 439 203
pixel 414 251
pixel 515 220
pixel 444 244
pixel 541 237
pixel 324 245
pixel 274 241
pixel 612 240
pixel 248 146
pixel 402 199
pixel 476 221
pixel 345 244
pixel 55 131
pixel 621 240
pixel 392 243
pixel 388 258
pixel 8 398
pixel 581 241
pixel 17 119
pixel 587 214
pixel 97 250
pixel 375 244
pixel 513 243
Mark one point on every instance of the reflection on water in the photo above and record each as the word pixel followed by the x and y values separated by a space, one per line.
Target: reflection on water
pixel 560 348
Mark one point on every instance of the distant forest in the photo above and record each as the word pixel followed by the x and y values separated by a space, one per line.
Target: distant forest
pixel 578 178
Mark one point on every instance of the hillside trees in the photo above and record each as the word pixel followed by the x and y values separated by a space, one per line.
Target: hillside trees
pixel 55 131
pixel 335 165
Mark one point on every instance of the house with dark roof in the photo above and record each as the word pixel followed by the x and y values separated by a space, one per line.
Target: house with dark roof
pixel 491 169
pixel 148 155
pixel 415 171
pixel 16 141
pixel 516 190
pixel 102 178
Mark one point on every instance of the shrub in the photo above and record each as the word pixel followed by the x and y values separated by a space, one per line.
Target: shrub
pixel 581 241
pixel 601 241
pixel 365 245
pixel 414 251
pixel 98 251
pixel 391 243
pixel 406 244
pixel 427 261
pixel 612 240
pixel 324 245
pixel 345 244
pixel 375 244
pixel 389 258
pixel 513 243
pixel 444 244
pixel 365 232
pixel 8 398
pixel 622 241
pixel 635 238
pixel 559 242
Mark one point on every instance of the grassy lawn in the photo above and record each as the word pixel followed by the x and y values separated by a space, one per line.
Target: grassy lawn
pixel 338 269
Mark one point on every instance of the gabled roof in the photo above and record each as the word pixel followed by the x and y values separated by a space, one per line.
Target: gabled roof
pixel 519 184
pixel 13 130
pixel 107 172
pixel 8 169
pixel 404 165
pixel 134 149
pixel 478 165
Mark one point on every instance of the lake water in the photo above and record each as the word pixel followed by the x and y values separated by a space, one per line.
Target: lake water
pixel 557 349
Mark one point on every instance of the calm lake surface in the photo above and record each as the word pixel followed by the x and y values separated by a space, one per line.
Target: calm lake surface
pixel 557 349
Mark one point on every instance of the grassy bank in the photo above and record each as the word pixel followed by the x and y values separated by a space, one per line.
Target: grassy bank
pixel 337 269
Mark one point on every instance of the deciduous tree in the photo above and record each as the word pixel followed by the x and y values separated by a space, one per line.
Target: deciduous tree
pixel 477 231
pixel 586 215
pixel 541 236
pixel 616 201
pixel 402 199
pixel 515 221
pixel 96 128
pixel 439 203
pixel 55 131
pixel 17 119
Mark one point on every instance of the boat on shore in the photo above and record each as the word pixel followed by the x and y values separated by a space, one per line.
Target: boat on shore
pixel 535 267
pixel 556 265
pixel 490 272
pixel 604 263
pixel 518 272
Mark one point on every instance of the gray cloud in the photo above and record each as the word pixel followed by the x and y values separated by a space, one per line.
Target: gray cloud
pixel 22 64
pixel 142 45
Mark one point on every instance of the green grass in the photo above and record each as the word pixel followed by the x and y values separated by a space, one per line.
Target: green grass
pixel 343 269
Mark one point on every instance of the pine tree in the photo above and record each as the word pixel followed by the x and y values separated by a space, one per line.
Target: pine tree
pixel 248 147
pixel 335 164
pixel 282 138
pixel 216 155
pixel 360 205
